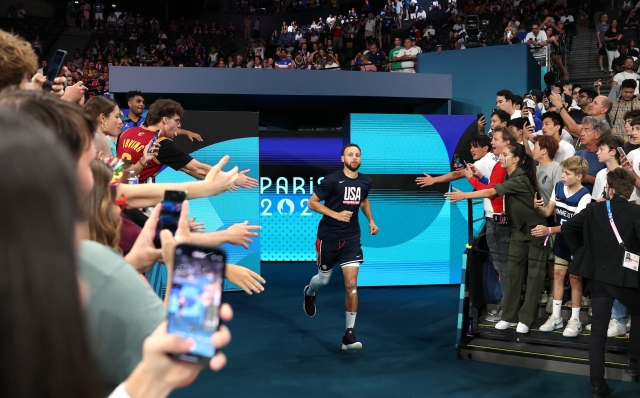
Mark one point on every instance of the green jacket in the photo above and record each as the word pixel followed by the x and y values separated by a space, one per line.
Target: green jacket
pixel 518 197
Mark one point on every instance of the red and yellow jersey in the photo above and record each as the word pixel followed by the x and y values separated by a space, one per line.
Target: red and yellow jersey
pixel 130 146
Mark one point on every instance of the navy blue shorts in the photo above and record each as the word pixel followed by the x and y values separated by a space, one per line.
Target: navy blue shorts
pixel 347 253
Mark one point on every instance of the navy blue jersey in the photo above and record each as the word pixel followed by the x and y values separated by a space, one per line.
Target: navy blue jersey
pixel 340 193
pixel 565 209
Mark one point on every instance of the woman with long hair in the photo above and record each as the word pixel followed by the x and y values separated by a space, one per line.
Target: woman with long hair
pixel 44 351
pixel 107 114
pixel 100 210
pixel 527 254
pixel 611 39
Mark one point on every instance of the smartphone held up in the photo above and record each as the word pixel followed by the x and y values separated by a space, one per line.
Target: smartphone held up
pixel 170 213
pixel 195 298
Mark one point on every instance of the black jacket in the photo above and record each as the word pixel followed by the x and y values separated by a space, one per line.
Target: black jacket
pixel 600 257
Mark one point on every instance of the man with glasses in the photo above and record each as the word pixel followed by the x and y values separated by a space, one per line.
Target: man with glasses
pixel 583 98
pixel 164 116
pixel 536 38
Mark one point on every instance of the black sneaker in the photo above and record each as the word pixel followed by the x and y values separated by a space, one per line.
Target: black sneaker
pixel 309 304
pixel 349 341
pixel 632 367
pixel 600 392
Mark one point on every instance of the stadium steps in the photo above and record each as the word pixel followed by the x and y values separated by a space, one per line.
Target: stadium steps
pixel 539 350
pixel 70 39
pixel 583 65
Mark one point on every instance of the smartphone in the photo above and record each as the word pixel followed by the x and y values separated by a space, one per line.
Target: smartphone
pixel 153 141
pixel 170 213
pixel 56 65
pixel 456 160
pixel 465 163
pixel 621 151
pixel 195 298
pixel 480 115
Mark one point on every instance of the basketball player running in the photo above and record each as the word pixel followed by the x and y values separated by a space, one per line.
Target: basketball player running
pixel 344 193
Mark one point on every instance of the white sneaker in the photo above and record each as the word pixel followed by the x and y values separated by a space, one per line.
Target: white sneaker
pixel 588 328
pixel 553 323
pixel 522 328
pixel 504 325
pixel 585 302
pixel 573 329
pixel 616 329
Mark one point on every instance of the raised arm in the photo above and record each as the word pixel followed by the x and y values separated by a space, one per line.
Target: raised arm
pixel 428 180
pixel 458 195
pixel 215 183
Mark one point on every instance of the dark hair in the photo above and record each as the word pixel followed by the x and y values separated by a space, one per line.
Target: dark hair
pixel 590 93
pixel 548 143
pixel 635 121
pixel 133 93
pixel 163 108
pixel 576 86
pixel 555 118
pixel 612 142
pixel 481 141
pixel 527 164
pixel 502 115
pixel 99 105
pixel 344 148
pixel 517 100
pixel 44 351
pixel 72 126
pixel 549 77
pixel 628 83
pixel 517 122
pixel 622 182
pixel 508 95
pixel 632 114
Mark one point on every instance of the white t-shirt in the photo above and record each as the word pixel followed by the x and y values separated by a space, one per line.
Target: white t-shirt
pixel 422 15
pixel 485 167
pixel 601 182
pixel 565 151
pixel 564 19
pixel 584 201
pixel 531 144
pixel 622 76
pixel 634 158
pixel 413 51
pixel 539 39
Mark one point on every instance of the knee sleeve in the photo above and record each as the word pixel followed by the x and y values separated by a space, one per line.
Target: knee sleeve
pixel 320 280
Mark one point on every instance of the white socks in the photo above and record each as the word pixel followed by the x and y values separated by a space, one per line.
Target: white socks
pixel 575 313
pixel 351 319
pixel 557 308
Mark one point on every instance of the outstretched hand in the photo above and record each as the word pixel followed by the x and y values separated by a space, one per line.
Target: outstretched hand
pixel 455 196
pixel 425 181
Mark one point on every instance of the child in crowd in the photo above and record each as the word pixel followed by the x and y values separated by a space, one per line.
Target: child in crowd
pixel 568 199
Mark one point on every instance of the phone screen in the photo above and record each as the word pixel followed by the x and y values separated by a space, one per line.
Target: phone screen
pixel 56 65
pixel 621 151
pixel 153 141
pixel 170 213
pixel 195 298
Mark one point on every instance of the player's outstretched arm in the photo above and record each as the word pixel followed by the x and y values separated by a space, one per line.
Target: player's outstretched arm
pixel 365 205
pixel 315 205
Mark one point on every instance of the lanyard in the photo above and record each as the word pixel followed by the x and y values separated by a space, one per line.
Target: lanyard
pixel 613 225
